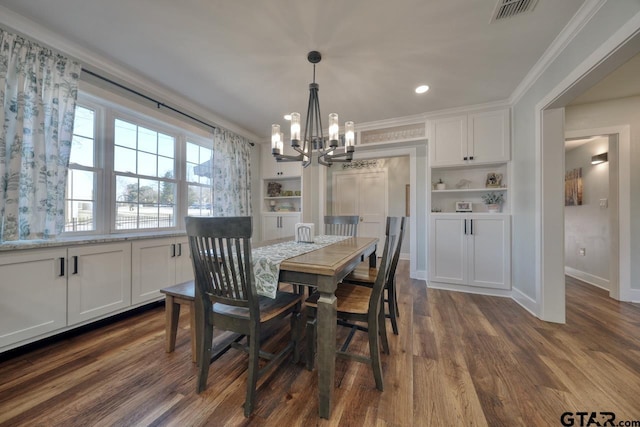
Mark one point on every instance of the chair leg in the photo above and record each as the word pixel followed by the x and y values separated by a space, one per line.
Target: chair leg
pixel 296 333
pixel 382 328
pixel 374 350
pixel 204 358
pixel 311 343
pixel 252 379
pixel 392 303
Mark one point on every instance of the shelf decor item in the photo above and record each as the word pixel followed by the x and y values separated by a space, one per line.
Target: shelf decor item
pixel 464 207
pixel 493 201
pixel 440 185
pixel 273 189
pixel 494 180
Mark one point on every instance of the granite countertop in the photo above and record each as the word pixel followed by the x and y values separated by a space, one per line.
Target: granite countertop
pixel 86 239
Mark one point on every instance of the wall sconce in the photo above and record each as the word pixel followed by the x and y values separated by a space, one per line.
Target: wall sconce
pixel 599 158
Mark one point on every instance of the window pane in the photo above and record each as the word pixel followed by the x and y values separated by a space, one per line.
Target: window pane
pixel 80 184
pixel 199 200
pixel 126 216
pixel 166 145
pixel 79 216
pixel 124 160
pixel 147 164
pixel 126 189
pixel 81 151
pixel 167 195
pixel 147 140
pixel 83 123
pixel 148 192
pixel 125 134
pixel 165 167
pixel 148 216
pixel 193 153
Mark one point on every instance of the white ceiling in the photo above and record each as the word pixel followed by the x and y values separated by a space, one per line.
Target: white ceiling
pixel 246 61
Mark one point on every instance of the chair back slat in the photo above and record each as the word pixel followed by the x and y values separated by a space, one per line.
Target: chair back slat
pixel 221 256
pixel 396 255
pixel 390 244
pixel 341 225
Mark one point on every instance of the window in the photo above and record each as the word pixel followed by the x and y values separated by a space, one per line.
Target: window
pixel 134 169
pixel 199 165
pixel 145 178
pixel 80 199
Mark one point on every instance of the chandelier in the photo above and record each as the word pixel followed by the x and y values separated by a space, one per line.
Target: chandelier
pixel 314 141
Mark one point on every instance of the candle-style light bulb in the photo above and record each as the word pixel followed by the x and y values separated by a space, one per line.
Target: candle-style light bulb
pixel 349 137
pixel 334 130
pixel 295 129
pixel 275 139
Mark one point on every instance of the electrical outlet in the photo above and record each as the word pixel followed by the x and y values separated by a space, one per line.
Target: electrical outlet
pixel 604 203
pixel 581 251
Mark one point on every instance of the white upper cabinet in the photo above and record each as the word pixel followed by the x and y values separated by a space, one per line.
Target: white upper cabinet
pixel 470 139
pixel 274 169
pixel 488 137
pixel 448 141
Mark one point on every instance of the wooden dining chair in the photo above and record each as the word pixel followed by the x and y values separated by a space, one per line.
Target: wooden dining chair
pixel 358 304
pixel 226 298
pixel 366 276
pixel 341 225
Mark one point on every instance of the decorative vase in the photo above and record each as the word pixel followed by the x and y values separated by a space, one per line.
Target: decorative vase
pixel 493 208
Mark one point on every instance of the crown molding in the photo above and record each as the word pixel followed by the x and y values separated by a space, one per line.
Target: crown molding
pixel 588 9
pixel 109 69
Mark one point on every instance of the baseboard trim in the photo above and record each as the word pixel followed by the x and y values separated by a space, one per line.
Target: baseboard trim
pixel 591 279
pixel 525 301
pixel 470 289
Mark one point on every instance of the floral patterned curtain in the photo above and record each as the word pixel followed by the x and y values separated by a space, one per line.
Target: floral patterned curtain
pixel 231 174
pixel 38 92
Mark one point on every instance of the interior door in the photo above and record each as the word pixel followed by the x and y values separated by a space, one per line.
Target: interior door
pixel 363 194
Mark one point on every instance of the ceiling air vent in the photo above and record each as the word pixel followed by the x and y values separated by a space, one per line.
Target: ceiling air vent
pixel 508 8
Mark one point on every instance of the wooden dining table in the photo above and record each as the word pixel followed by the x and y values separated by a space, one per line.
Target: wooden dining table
pixel 324 268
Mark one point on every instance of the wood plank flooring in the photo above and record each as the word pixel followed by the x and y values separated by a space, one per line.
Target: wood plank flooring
pixel 460 360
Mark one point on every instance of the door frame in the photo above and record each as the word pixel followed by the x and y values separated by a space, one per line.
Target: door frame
pixel 379 152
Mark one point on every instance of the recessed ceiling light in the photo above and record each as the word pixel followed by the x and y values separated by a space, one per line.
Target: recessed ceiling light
pixel 422 89
pixel 287 117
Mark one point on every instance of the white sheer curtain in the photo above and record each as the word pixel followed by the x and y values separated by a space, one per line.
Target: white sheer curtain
pixel 38 92
pixel 231 174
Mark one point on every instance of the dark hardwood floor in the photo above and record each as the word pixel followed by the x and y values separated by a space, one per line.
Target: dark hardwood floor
pixel 460 360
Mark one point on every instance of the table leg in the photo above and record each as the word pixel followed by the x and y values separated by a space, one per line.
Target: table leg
pixel 373 260
pixel 326 350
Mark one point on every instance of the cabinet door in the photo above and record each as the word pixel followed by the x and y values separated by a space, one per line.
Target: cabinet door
pixel 288 225
pixel 34 294
pixel 448 249
pixel 270 227
pixel 274 169
pixel 489 139
pixel 184 266
pixel 490 252
pixel 153 268
pixel 99 280
pixel 448 141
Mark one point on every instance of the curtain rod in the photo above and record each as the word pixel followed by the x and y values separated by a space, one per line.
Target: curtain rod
pixel 148 98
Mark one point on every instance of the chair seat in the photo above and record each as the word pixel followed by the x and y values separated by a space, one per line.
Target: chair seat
pixel 352 299
pixel 363 274
pixel 269 308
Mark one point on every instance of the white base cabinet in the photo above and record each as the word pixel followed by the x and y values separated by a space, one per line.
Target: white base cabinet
pixel 33 286
pixel 99 280
pixel 470 250
pixel 50 289
pixel 158 263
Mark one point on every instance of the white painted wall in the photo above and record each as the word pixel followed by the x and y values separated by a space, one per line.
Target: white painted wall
pixel 527 153
pixel 587 226
pixel 624 111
